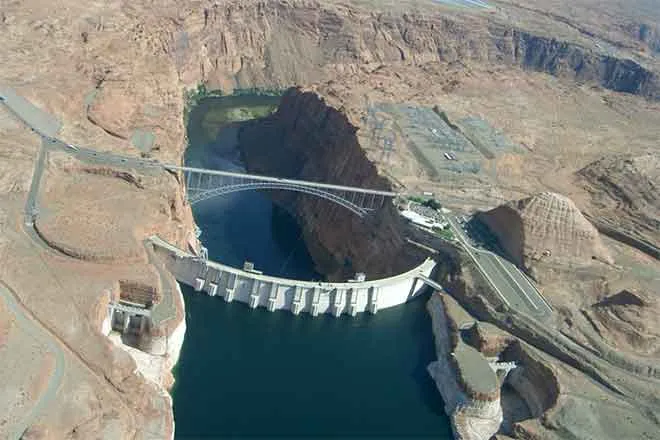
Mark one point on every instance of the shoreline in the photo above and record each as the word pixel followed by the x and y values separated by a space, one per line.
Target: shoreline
pixel 156 369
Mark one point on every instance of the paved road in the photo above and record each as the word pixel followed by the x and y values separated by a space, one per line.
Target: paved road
pixel 31 208
pixel 513 287
pixel 39 121
pixel 33 328
pixel 47 127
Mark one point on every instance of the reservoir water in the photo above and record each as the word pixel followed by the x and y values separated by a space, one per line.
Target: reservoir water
pixel 253 373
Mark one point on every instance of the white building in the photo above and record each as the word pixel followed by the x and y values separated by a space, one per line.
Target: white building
pixel 421 220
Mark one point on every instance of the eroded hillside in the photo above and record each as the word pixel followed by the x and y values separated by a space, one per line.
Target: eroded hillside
pixel 111 70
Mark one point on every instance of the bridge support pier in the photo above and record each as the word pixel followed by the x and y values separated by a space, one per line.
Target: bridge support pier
pixel 213 289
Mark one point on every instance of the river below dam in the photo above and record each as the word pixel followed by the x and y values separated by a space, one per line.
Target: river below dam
pixel 253 373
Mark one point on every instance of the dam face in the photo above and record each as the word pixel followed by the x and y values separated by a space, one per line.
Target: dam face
pixel 253 372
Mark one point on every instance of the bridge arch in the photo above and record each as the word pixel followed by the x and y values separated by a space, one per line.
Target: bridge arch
pixel 199 196
pixel 203 184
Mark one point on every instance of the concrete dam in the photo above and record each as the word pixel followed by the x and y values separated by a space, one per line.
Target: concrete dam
pixel 274 293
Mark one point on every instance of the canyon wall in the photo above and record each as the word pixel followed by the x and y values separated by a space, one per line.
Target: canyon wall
pixel 305 42
pixel 474 416
pixel 534 381
pixel 310 140
pixel 623 193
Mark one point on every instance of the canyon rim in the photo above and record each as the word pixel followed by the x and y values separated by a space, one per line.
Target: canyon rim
pixel 568 95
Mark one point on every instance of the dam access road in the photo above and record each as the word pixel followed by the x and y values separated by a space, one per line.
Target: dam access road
pixel 513 287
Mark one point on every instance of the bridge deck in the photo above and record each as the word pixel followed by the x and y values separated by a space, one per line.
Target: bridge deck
pixel 305 183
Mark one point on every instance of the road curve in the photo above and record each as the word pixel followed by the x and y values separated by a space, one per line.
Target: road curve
pixel 28 324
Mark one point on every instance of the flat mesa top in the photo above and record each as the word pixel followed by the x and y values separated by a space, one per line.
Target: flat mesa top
pixel 476 374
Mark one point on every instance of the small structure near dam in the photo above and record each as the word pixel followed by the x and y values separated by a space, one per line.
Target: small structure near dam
pixel 276 293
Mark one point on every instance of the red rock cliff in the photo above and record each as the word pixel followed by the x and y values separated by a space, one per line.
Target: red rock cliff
pixel 308 139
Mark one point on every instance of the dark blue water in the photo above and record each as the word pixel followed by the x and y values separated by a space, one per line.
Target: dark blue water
pixel 247 373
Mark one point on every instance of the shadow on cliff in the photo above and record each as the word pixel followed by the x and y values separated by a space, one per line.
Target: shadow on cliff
pixel 426 387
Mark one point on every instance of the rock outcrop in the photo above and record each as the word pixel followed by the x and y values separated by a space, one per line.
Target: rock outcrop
pixel 310 140
pixel 627 321
pixel 625 194
pixel 304 42
pixel 468 386
pixel 534 381
pixel 545 226
pixel 107 69
pixel 561 58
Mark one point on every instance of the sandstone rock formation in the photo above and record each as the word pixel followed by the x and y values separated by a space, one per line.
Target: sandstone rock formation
pixel 545 396
pixel 545 225
pixel 310 140
pixel 628 321
pixel 625 193
pixel 296 42
pixel 469 387
pixel 107 68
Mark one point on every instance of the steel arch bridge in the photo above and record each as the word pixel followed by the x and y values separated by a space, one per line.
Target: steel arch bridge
pixel 203 184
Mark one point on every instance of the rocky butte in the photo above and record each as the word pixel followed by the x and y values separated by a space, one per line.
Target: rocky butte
pixel 553 105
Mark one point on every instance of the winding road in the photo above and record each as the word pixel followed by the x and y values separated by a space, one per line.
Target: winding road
pixel 27 323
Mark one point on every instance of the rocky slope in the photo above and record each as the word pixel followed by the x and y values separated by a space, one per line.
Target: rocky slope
pixel 557 379
pixel 546 226
pixel 625 193
pixel 468 386
pixel 296 43
pixel 107 69
pixel 628 321
pixel 310 140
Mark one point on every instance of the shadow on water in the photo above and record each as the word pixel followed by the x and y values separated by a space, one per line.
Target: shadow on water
pixel 245 372
pixel 421 329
